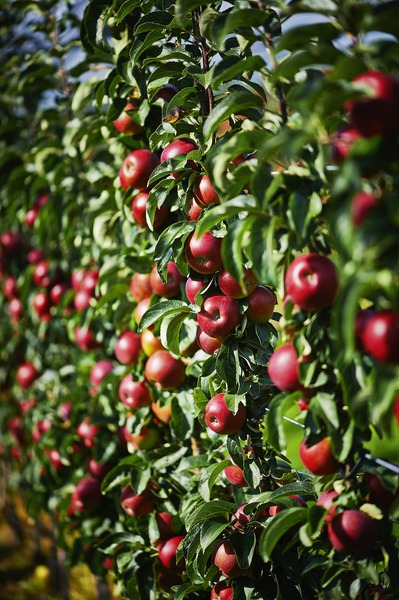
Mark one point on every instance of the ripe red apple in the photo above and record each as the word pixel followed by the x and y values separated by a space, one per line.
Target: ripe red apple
pixel 167 553
pixel 87 431
pixel 139 211
pixel 219 315
pixel 77 278
pixel 343 142
pixel 165 525
pixel 40 428
pixel 41 274
pixel 26 375
pixel 235 475
pixel 27 405
pixel 10 287
pixel 55 459
pixel 204 254
pixel 58 291
pixel 134 394
pixel 221 591
pixel 166 92
pixel 34 256
pixel 136 505
pixel 31 216
pixel 353 532
pixel 98 469
pixel 362 206
pixel 140 286
pixel 261 304
pixel 379 494
pixel 326 500
pixel 232 288
pixel 311 281
pixel 318 459
pixel 125 124
pixel 204 192
pixel 98 371
pixel 164 370
pixel 194 210
pixel 208 344
pixel 193 286
pixel 16 309
pixel 150 343
pixel 283 368
pixel 41 303
pixel 381 336
pixel 176 148
pixel 220 419
pixel 240 518
pixel 375 112
pixel 361 320
pixel 90 280
pixel 11 242
pixel 86 496
pixel 225 559
pixel 137 168
pixel 141 309
pixel 84 339
pixel 128 348
pixel 172 286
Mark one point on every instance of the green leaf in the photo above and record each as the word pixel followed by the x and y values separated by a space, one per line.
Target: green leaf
pixel 170 330
pixel 231 66
pixel 160 310
pixel 278 526
pixel 244 547
pixel 242 205
pixel 127 7
pixel 159 19
pixel 209 477
pixel 211 530
pixel 233 103
pixel 213 508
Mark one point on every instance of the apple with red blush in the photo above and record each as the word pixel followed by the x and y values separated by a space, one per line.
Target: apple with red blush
pixel 85 339
pixel 220 419
pixel 261 304
pixel 137 168
pixel 86 496
pixel 193 286
pixel 221 591
pixel 150 342
pixel 167 553
pixel 311 280
pixel 58 292
pixel 42 274
pixel 353 532
pixel 26 375
pixel 235 475
pixel 232 288
pixel 204 192
pixel 140 310
pixel 166 92
pixel 125 124
pixel 210 345
pixel 343 142
pixel 136 505
pixel 99 370
pixel 41 303
pixel 165 371
pixel 171 287
pixel 140 286
pixel 128 348
pixel 225 559
pixel 179 147
pixel 15 309
pixel 88 432
pixel 362 206
pixel 381 336
pixel 219 315
pixel 139 211
pixel 134 394
pixel 327 501
pixel 10 287
pixel 318 458
pixel 203 254
pixel 283 368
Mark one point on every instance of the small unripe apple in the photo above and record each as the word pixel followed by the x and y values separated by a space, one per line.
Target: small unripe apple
pixel 139 211
pixel 232 288
pixel 164 370
pixel 174 280
pixel 353 532
pixel 177 148
pixel 220 419
pixel 219 315
pixel 381 337
pixel 26 375
pixel 137 168
pixel 134 394
pixel 318 459
pixel 136 505
pixel 140 286
pixel 167 553
pixel 204 192
pixel 311 280
pixel 128 348
pixel 261 304
pixel 204 254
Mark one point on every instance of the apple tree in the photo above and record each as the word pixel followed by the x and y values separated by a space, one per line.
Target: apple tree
pixel 200 292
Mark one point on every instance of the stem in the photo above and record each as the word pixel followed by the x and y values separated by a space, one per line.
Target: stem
pixel 207 103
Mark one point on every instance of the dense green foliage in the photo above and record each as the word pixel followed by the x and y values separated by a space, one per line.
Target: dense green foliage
pixel 265 94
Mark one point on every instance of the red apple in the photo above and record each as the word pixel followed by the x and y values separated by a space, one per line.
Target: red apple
pixel 128 348
pixel 165 525
pixel 318 458
pixel 193 286
pixel 55 459
pixel 40 428
pixel 204 254
pixel 343 142
pixel 311 281
pixel 41 303
pixel 275 509
pixel 140 286
pixel 135 504
pixel 84 339
pixel 34 256
pixel 77 278
pixel 41 274
pixel 261 304
pixel 232 288
pixel 137 168
pixel 381 337
pixel 220 419
pixel 11 242
pixel 283 368
pixel 90 280
pixel 164 370
pixel 362 206
pixel 379 494
pixel 326 500
pixel 141 309
pixel 134 394
pixel 177 148
pixel 98 371
pixel 10 287
pixel 58 291
pixel 204 192
pixel 41 201
pixel 172 286
pixel 98 469
pixel 31 217
pixel 194 210
pixel 209 344
pixel 87 431
pixel 221 591
pixel 16 309
pixel 26 406
pixel 150 343
pixel 16 428
pixel 375 112
pixel 225 559
pixel 353 532
pixel 26 375
pixel 86 496
pixel 166 92
pixel 139 211
pixel 235 475
pixel 167 553
pixel 125 124
pixel 219 316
